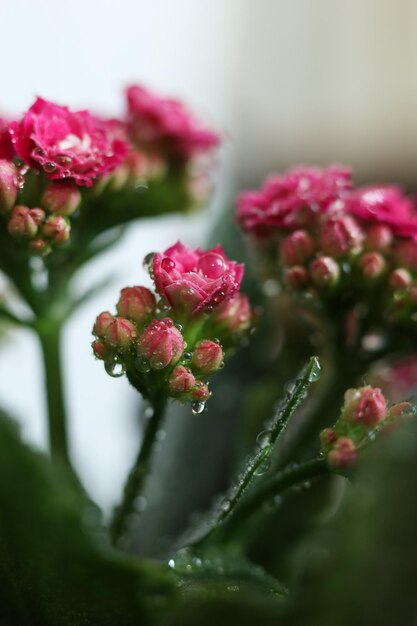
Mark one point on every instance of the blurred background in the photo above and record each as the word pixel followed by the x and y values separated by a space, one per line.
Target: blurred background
pixel 284 82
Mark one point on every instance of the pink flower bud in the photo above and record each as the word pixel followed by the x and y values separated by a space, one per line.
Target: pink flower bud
pixel 8 185
pixel 61 198
pixel 100 349
pixel 39 246
pixel 235 315
pixel 406 254
pixel 366 405
pixel 378 237
pixel 297 248
pixel 327 437
pixel 181 381
pixel 57 229
pixel 401 409
pixel 161 343
pixel 343 454
pixel 103 321
pixel 120 333
pixel 372 265
pixel 136 303
pixel 400 278
pixel 340 235
pixel 325 271
pixel 201 392
pixel 23 223
pixel 296 277
pixel 207 357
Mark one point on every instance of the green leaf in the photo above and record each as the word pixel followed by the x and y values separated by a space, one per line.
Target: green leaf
pixel 56 567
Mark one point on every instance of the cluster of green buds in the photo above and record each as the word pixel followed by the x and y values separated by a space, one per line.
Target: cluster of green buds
pixel 365 413
pixel 169 345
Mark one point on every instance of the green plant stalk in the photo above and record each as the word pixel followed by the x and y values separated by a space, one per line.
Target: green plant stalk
pixel 138 474
pixel 50 338
pixel 283 481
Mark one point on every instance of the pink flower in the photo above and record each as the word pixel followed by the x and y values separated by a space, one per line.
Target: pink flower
pixel 159 121
pixel 6 146
pixel 384 205
pixel 66 144
pixel 288 200
pixel 366 405
pixel 195 281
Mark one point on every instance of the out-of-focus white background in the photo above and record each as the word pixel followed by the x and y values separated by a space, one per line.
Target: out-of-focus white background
pixel 284 81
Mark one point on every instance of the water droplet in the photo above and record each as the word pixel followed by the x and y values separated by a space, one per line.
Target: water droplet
pixel 179 326
pixel 315 370
pixel 49 167
pixel 263 467
pixel 187 356
pixel 64 160
pixel 225 505
pixel 198 407
pixel 158 365
pixel 171 563
pixel 148 260
pixel 142 365
pixel 114 368
pixel 219 296
pixel 264 438
pixel 167 264
pixel 212 265
pixel 163 305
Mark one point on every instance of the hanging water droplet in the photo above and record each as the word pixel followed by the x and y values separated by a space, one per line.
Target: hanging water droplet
pixel 315 370
pixel 198 407
pixel 142 365
pixel 264 438
pixel 49 167
pixel 148 260
pixel 114 368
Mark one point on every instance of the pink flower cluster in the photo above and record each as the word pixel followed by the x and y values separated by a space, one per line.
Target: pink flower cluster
pixel 154 122
pixel 183 336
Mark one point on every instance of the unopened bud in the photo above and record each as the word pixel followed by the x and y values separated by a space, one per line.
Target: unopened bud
pixel 366 405
pixel 181 380
pixel 296 277
pixel 136 303
pixel 235 315
pixel 22 223
pixel 120 333
pixel 207 357
pixel 39 246
pixel 327 438
pixel 57 229
pixel 8 185
pixel 400 278
pixel 297 248
pixel 201 392
pixel 101 349
pixel 340 235
pixel 379 237
pixel 161 343
pixel 324 271
pixel 372 265
pixel 103 321
pixel 61 198
pixel 343 454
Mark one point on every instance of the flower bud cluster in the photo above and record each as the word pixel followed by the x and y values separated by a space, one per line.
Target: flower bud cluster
pixel 171 347
pixel 328 241
pixel 364 414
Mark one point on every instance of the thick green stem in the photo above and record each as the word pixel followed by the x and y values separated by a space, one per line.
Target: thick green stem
pixel 138 474
pixel 283 481
pixel 50 336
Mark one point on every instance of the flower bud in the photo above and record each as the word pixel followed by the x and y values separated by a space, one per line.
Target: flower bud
pixel 136 303
pixel 103 321
pixel 366 405
pixel 340 235
pixel 378 237
pixel 297 248
pixel 327 438
pixel 406 254
pixel 201 392
pixel 57 229
pixel 23 223
pixel 101 350
pixel 207 357
pixel 161 343
pixel 235 315
pixel 8 185
pixel 400 278
pixel 40 246
pixel 343 453
pixel 324 271
pixel 120 333
pixel 296 277
pixel 372 265
pixel 61 198
pixel 181 381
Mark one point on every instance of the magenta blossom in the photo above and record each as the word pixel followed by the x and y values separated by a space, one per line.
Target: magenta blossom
pixel 288 200
pixel 161 121
pixel 6 147
pixel 384 205
pixel 66 144
pixel 195 281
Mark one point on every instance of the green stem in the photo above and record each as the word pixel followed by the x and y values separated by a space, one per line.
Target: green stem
pixel 50 337
pixel 138 474
pixel 283 480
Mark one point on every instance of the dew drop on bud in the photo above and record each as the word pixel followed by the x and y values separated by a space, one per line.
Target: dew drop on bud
pixel 167 264
pixel 219 296
pixel 148 260
pixel 187 356
pixel 114 368
pixel 49 167
pixel 198 407
pixel 212 265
